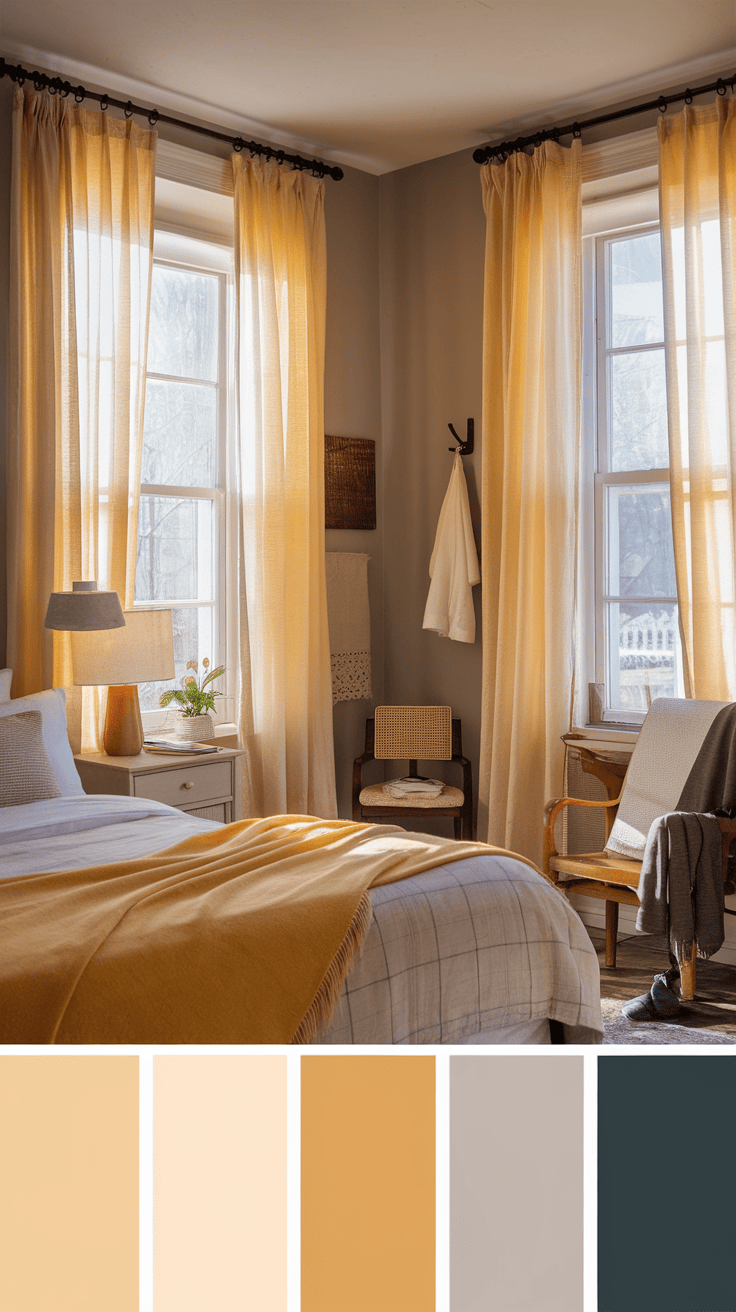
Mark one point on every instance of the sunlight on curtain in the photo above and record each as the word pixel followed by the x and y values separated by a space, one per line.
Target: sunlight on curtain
pixel 697 187
pixel 81 254
pixel 285 704
pixel 531 435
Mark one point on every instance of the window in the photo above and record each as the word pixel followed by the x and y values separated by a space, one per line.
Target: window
pixel 637 644
pixel 181 527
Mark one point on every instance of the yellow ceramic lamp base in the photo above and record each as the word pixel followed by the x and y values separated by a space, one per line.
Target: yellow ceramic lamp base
pixel 123 725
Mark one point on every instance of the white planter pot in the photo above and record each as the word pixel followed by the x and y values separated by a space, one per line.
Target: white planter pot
pixel 195 728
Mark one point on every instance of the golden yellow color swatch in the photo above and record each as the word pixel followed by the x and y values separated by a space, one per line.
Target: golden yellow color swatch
pixel 368 1184
pixel 219 1184
pixel 69 1184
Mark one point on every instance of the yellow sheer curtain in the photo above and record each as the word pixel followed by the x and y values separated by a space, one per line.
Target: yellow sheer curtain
pixel 285 703
pixel 81 253
pixel 531 434
pixel 697 190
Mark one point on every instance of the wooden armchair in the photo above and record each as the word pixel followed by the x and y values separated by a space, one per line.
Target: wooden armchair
pixel 669 741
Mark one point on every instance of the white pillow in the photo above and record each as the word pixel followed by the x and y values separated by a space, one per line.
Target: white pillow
pixel 52 705
pixel 6 678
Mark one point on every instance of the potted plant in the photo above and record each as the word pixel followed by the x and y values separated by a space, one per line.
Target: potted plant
pixel 195 701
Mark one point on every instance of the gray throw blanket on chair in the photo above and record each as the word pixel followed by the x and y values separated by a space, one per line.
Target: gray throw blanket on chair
pixel 681 882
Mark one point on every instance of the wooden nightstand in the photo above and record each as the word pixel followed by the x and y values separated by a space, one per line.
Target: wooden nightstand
pixel 203 785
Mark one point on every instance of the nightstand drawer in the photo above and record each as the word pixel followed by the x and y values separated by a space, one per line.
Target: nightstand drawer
pixel 187 787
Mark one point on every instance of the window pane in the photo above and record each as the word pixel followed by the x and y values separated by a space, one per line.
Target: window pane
pixel 180 434
pixel 193 640
pixel 642 654
pixel 175 550
pixel 637 403
pixel 183 332
pixel 636 291
pixel 640 557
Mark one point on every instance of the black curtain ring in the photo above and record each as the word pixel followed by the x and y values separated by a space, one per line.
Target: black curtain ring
pixel 688 97
pixel 576 132
pixel 153 117
pixel 720 87
pixel 104 102
pixel 79 95
pixel 238 145
pixel 662 105
pixel 128 111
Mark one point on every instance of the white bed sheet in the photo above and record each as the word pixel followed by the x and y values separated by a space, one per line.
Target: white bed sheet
pixel 447 956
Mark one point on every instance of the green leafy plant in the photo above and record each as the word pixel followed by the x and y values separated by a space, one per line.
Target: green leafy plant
pixel 192 697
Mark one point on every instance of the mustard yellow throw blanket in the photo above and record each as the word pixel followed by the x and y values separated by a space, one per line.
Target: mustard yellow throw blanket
pixel 243 934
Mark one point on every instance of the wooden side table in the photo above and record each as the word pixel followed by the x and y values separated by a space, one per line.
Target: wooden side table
pixel 202 785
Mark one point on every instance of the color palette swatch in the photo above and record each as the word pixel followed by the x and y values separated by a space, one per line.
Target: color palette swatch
pixel 68 1183
pixel 666 1165
pixel 368 1184
pixel 516 1184
pixel 219 1183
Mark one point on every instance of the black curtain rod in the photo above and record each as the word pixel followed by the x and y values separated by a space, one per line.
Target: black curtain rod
pixel 56 86
pixel 485 154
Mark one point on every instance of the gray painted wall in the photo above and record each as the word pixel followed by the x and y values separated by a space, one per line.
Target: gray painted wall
pixel 432 250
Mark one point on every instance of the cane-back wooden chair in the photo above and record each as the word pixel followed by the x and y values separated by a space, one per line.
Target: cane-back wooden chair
pixel 412 734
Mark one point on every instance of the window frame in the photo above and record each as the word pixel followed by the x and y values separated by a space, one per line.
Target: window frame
pixel 216 495
pixel 596 476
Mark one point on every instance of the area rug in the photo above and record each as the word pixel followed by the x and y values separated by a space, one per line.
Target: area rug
pixel 617 1029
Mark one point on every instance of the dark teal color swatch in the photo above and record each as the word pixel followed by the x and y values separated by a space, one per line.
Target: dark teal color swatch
pixel 666 1184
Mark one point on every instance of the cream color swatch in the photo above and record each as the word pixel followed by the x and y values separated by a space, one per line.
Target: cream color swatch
pixel 219 1184
pixel 516 1184
pixel 69 1172
pixel 368 1184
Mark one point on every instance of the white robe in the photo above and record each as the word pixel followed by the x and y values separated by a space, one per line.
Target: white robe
pixel 453 568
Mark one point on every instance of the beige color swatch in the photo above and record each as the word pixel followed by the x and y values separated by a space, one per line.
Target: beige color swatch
pixel 368 1184
pixel 69 1184
pixel 516 1184
pixel 219 1184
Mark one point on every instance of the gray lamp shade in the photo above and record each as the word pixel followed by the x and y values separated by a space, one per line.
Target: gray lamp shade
pixel 84 609
pixel 142 652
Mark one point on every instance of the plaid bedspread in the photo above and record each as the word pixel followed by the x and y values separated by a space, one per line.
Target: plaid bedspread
pixel 478 944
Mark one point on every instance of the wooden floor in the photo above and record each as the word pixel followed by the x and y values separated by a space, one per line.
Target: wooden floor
pixel 641 957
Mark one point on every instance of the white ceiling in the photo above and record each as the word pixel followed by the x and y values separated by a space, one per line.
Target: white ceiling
pixel 378 84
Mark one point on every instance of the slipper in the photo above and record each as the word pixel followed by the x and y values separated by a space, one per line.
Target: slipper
pixel 641 1008
pixel 660 1003
pixel 666 1002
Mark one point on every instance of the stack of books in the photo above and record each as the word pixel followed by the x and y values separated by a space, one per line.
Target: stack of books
pixel 172 748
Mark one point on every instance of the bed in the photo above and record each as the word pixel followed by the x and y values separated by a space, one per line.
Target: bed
pixel 481 950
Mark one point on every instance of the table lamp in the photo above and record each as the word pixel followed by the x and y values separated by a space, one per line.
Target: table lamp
pixel 142 652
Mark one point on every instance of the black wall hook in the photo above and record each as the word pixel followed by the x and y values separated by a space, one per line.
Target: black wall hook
pixel 465 448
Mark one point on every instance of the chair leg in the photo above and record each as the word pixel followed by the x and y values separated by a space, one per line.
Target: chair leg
pixel 457 821
pixel 611 932
pixel 687 976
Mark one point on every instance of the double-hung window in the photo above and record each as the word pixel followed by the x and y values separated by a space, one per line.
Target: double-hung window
pixel 181 525
pixel 637 645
